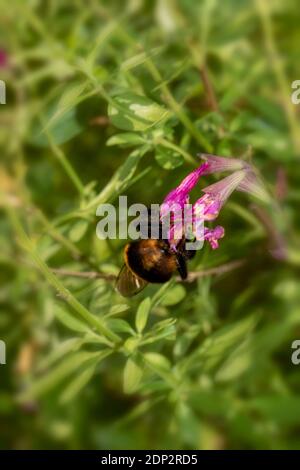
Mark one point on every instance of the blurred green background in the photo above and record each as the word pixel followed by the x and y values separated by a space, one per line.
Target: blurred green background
pixel 200 365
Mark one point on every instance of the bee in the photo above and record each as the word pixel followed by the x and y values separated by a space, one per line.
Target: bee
pixel 151 261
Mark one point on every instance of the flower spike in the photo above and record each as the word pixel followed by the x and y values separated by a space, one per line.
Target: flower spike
pixel 242 178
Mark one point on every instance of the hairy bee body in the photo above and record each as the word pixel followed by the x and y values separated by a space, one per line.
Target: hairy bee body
pixel 151 260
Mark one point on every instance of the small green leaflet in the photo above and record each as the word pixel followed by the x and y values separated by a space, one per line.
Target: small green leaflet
pixel 133 112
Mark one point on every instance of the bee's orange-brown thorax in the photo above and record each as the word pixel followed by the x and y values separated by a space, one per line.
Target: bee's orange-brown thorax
pixel 151 260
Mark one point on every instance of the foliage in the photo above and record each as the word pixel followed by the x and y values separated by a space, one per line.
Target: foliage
pixel 111 98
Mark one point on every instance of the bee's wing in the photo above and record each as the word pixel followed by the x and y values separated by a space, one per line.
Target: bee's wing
pixel 128 284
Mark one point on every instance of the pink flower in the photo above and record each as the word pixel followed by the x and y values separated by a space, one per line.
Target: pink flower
pixel 213 235
pixel 180 195
pixel 181 214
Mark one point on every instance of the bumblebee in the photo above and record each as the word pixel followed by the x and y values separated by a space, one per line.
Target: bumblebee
pixel 151 261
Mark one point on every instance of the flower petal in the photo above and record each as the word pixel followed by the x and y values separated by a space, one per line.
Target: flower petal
pixel 217 164
pixel 180 194
pixel 223 188
pixel 209 205
pixel 213 236
pixel 251 184
pixel 207 208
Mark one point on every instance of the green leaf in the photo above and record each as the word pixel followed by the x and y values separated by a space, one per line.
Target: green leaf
pixel 168 158
pixel 210 402
pixel 78 230
pixel 127 170
pixel 174 295
pixel 135 112
pixel 162 330
pixel 121 179
pixel 188 425
pixel 158 361
pixel 119 308
pixel 64 129
pixel 120 326
pixel 81 380
pixel 126 139
pixel 70 98
pixel 131 344
pixel 77 384
pixel 70 321
pixel 284 410
pixel 220 344
pixel 239 361
pixel 139 59
pixel 60 351
pixel 132 376
pixel 142 314
pixel 65 368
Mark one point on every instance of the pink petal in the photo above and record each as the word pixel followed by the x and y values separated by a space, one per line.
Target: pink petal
pixel 223 188
pixel 218 164
pixel 180 194
pixel 207 207
pixel 213 236
pixel 252 185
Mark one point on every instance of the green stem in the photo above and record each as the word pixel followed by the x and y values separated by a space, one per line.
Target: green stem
pixel 56 235
pixel 187 156
pixel 65 164
pixel 28 246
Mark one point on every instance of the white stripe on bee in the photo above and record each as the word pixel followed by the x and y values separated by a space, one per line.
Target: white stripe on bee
pixel 137 283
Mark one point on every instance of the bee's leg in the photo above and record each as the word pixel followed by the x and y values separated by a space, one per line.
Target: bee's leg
pixel 181 248
pixel 181 266
pixel 189 254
